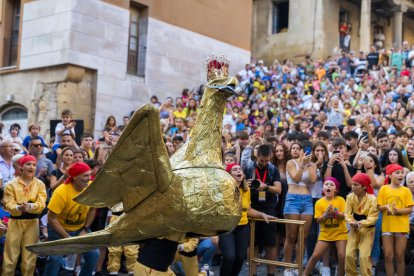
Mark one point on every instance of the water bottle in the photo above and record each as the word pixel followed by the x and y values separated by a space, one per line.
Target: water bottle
pixel 70 262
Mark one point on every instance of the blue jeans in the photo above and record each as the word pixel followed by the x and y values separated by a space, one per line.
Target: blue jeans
pixel 55 262
pixel 205 251
pixel 376 246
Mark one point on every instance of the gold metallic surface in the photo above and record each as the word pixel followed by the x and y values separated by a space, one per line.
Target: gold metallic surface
pixel 162 197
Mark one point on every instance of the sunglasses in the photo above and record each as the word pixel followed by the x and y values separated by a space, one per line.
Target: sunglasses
pixel 37 145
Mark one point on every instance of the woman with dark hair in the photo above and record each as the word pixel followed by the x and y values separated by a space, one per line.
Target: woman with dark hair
pixel 395 156
pixel 280 159
pixel 191 107
pixel 155 102
pixel 320 156
pixel 58 176
pixel 234 245
pixel 110 124
pixel 402 113
pixel 301 174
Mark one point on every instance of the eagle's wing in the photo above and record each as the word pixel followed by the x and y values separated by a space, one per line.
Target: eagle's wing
pixel 136 167
pixel 73 245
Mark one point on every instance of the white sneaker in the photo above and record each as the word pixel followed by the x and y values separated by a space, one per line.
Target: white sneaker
pixel 77 270
pixel 296 272
pixel 320 267
pixel 373 271
pixel 288 272
pixel 326 271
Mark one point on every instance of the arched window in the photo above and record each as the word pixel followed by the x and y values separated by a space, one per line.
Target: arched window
pixel 14 114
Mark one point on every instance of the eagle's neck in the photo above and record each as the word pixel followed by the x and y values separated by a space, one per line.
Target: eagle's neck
pixel 204 148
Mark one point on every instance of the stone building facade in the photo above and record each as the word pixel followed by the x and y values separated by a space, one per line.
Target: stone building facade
pixel 107 57
pixel 294 28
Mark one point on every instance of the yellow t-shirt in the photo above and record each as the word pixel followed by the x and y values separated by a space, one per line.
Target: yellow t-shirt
pixel 402 198
pixel 182 114
pixel 71 215
pixel 333 229
pixel 347 115
pixel 245 201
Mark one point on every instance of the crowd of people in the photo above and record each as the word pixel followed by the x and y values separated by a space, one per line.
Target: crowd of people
pixel 329 142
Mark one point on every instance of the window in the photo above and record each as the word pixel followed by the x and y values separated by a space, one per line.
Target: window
pixel 345 29
pixel 280 16
pixel 11 27
pixel 137 46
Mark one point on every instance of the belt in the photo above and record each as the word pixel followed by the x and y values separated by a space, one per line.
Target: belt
pixel 26 216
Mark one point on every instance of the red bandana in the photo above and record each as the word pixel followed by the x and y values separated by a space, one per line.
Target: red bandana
pixel 26 159
pixel 365 181
pixel 389 170
pixel 75 170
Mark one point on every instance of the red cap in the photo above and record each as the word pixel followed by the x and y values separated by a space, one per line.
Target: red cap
pixel 365 181
pixel 76 169
pixel 230 166
pixel 26 158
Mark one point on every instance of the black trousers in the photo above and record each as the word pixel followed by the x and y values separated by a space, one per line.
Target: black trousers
pixel 233 248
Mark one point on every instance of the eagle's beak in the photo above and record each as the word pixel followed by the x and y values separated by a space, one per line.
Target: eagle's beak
pixel 231 88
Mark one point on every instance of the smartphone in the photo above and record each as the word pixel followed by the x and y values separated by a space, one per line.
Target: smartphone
pixel 335 152
pixel 329 127
pixel 307 150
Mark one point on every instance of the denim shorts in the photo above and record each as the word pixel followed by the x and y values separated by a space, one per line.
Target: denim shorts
pixel 298 205
pixel 396 234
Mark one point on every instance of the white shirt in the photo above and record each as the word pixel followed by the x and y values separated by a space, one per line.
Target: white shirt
pixel 60 127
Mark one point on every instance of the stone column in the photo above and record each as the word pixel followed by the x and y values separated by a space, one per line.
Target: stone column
pixel 397 21
pixel 365 28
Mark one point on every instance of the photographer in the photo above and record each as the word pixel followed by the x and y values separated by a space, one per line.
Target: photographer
pixel 264 179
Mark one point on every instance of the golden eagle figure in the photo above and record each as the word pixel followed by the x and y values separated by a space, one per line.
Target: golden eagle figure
pixel 187 194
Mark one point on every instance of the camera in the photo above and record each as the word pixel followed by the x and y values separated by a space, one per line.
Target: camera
pixel 255 184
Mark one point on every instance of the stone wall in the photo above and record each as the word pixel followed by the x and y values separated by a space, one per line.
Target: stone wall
pixel 313 29
pixel 94 35
pixel 46 92
pixel 176 58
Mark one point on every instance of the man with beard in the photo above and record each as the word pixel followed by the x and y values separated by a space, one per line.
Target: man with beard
pixel 264 199
pixel 44 166
pixel 67 218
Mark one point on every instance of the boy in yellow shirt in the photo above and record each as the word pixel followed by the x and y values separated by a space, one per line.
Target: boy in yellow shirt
pixel 361 213
pixel 329 213
pixel 396 204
